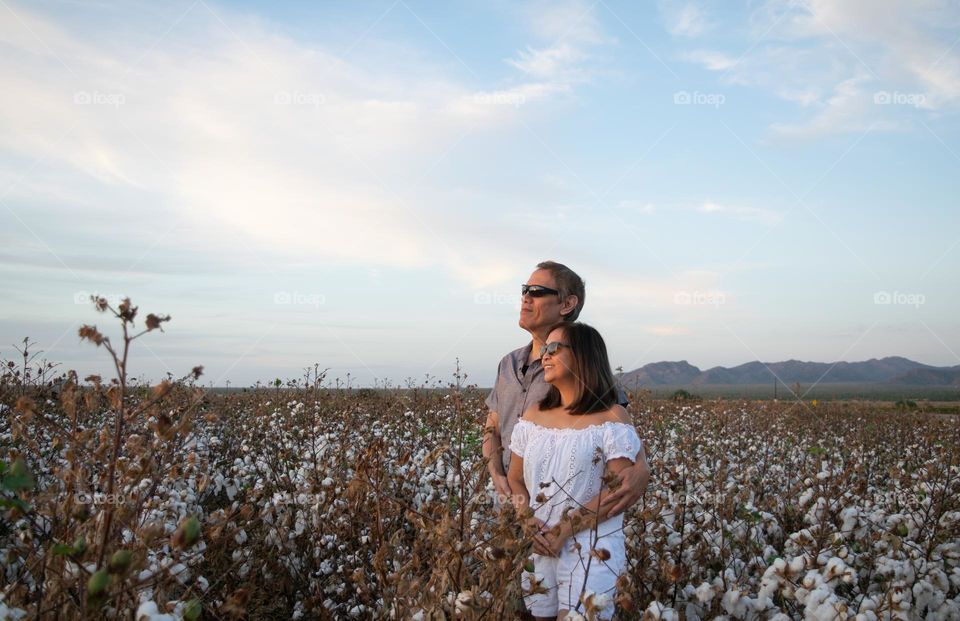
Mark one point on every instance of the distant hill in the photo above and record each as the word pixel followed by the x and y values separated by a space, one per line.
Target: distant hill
pixel 891 370
pixel 662 373
pixel 946 376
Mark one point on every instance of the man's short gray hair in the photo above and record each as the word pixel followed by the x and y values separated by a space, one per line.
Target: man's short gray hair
pixel 568 283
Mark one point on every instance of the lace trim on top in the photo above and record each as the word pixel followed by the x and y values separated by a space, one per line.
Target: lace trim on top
pixel 569 429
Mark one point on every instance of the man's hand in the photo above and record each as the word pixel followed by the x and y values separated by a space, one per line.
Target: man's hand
pixel 502 487
pixel 633 482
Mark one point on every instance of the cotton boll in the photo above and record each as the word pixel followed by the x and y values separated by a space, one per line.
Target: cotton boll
pixel 654 611
pixel 148 610
pixel 834 569
pixel 463 601
pixel 734 603
pixel 926 596
pixel 704 593
pixel 691 612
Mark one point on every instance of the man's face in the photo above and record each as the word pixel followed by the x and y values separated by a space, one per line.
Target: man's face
pixel 539 313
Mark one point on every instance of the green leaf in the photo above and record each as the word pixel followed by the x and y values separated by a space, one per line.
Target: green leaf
pixel 14 503
pixel 62 549
pixel 19 477
pixel 191 612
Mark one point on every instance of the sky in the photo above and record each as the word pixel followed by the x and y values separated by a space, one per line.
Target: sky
pixel 366 185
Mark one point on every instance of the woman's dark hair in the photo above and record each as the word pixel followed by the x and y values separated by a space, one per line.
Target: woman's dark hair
pixel 597 388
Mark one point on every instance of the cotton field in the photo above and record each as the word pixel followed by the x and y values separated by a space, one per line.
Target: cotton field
pixel 172 502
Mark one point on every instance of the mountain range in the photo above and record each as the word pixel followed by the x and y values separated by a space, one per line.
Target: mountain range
pixel 893 370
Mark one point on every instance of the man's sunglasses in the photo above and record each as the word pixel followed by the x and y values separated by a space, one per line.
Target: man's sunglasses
pixel 551 348
pixel 537 291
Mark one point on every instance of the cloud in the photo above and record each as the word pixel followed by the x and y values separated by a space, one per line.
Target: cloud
pixel 684 19
pixel 848 109
pixel 739 212
pixel 555 62
pixel 912 40
pixel 712 60
pixel 229 125
pixel 571 28
pixel 850 65
pixel 747 214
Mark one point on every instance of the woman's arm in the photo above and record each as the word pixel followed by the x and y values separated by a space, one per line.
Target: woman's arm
pixel 521 501
pixel 518 489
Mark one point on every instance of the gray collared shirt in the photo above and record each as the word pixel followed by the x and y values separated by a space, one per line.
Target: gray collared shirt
pixel 514 391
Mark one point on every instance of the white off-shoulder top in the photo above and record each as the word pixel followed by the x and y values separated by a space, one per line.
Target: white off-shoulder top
pixel 564 467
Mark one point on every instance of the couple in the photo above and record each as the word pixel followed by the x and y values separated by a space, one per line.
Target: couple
pixel 557 431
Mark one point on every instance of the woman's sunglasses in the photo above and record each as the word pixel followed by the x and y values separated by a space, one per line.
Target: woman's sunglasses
pixel 551 348
pixel 537 291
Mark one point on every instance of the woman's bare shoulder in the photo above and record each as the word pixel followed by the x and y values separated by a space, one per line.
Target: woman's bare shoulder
pixel 618 414
pixel 532 414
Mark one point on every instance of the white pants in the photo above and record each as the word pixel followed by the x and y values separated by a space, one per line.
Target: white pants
pixel 562 579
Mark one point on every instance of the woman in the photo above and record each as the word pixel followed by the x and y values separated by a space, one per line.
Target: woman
pixel 565 448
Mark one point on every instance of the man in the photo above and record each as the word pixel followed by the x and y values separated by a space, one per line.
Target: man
pixel 553 293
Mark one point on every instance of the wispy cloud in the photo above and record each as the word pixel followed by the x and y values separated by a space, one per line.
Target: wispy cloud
pixel 850 65
pixel 232 125
pixel 686 19
pixel 712 60
pixel 740 212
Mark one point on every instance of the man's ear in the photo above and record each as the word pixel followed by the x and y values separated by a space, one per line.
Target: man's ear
pixel 569 304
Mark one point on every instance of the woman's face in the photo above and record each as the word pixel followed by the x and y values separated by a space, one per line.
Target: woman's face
pixel 559 365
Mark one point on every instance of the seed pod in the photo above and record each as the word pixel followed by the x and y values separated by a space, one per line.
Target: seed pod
pixel 187 534
pixel 120 561
pixel 79 545
pixel 98 582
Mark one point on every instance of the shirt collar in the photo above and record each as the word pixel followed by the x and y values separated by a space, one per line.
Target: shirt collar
pixel 523 354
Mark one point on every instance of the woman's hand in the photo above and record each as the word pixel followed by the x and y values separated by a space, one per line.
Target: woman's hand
pixel 539 534
pixel 547 541
pixel 556 539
